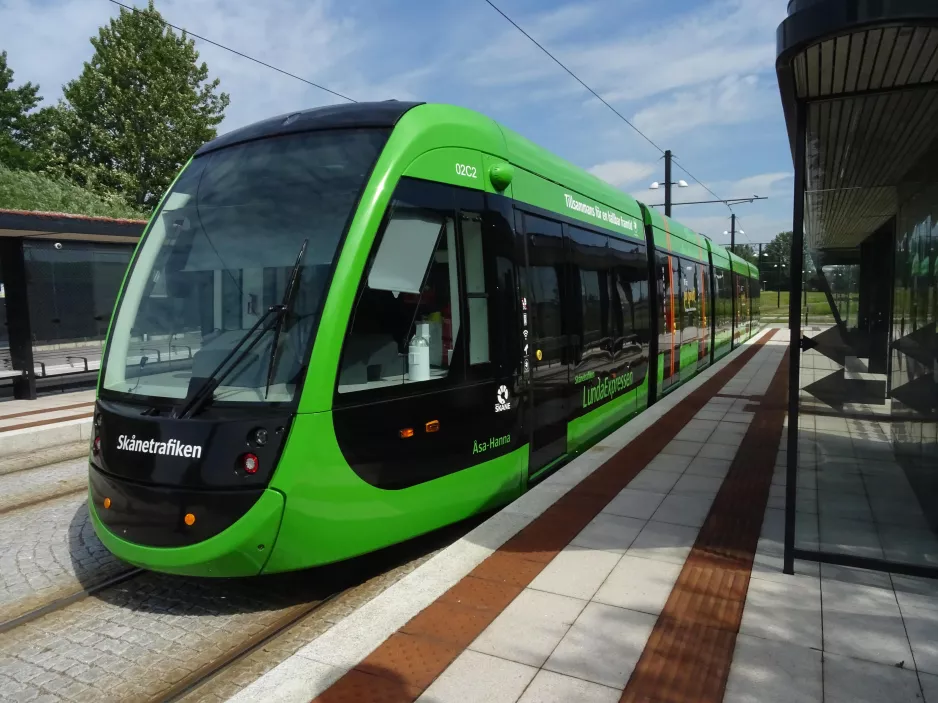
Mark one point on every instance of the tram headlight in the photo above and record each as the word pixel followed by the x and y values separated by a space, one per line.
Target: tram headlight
pixel 96 446
pixel 260 436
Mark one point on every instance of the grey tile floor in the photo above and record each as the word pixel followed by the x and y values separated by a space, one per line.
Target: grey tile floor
pixel 831 633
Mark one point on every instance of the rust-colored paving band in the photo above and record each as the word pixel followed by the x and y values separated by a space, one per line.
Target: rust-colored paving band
pixel 690 649
pixel 38 423
pixel 405 664
pixel 86 404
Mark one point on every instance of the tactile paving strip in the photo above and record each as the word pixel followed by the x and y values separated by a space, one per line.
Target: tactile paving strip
pixel 688 655
pixel 409 660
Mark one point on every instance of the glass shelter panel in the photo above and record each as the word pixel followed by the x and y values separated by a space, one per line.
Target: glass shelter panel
pixel 867 459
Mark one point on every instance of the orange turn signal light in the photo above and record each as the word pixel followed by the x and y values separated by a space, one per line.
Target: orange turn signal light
pixel 189 519
pixel 407 432
pixel 433 426
pixel 107 503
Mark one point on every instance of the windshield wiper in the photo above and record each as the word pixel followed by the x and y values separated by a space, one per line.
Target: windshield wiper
pixel 204 392
pixel 289 297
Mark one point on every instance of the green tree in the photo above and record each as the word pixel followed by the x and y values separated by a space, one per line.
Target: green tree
pixel 779 249
pixel 775 266
pixel 141 106
pixel 747 252
pixel 15 120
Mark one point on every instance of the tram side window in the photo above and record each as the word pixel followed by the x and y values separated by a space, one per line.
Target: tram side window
pixel 668 289
pixel 706 305
pixel 742 300
pixel 691 297
pixel 411 289
pixel 755 297
pixel 589 256
pixel 724 301
pixel 477 297
pixel 628 285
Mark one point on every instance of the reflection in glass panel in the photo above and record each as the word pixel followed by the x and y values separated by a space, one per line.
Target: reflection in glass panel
pixel 867 455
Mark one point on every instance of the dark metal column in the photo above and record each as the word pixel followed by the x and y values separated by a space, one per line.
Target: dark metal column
pixel 733 289
pixel 13 270
pixel 794 323
pixel 667 183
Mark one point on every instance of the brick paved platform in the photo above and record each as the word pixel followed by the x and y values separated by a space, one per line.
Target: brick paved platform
pixel 647 570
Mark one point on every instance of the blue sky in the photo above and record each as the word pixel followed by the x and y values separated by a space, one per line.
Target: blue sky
pixel 697 76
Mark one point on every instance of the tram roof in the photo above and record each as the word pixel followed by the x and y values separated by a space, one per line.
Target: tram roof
pixel 490 137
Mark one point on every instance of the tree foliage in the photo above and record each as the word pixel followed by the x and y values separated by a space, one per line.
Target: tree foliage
pixel 16 126
pixel 747 252
pixel 141 106
pixel 779 249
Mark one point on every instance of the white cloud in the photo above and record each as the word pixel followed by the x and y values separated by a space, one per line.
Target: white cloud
pixel 623 173
pixel 636 60
pixel 316 40
pixel 732 100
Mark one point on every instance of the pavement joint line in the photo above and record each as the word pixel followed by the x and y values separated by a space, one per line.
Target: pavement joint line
pixel 351 653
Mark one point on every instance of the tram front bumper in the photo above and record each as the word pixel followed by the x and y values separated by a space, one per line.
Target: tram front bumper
pixel 242 549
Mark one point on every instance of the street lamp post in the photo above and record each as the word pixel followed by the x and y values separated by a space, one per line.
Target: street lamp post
pixel 732 233
pixel 668 183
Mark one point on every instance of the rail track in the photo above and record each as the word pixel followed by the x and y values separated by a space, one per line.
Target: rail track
pixel 202 675
pixel 65 601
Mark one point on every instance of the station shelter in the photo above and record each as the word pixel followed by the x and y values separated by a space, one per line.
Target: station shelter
pixel 859 86
pixel 60 275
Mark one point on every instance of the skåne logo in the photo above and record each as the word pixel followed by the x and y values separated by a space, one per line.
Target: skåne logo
pixel 501 399
pixel 151 446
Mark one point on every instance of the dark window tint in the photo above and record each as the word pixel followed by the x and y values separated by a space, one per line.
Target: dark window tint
pixel 629 308
pixel 546 258
pixel 723 305
pixel 590 267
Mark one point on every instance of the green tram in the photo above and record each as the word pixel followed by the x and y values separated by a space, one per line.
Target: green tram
pixel 352 325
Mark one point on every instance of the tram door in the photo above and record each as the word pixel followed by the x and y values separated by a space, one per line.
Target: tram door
pixel 548 339
pixel 668 273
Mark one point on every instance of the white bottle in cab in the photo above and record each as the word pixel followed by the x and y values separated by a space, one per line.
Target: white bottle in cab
pixel 418 357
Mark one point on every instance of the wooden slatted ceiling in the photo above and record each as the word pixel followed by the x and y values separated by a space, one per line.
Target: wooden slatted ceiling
pixel 860 148
pixel 858 152
pixel 874 59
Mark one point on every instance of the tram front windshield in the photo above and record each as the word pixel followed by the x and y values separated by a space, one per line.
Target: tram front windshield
pixel 218 255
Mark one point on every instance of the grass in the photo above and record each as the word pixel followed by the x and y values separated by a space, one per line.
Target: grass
pixel 23 190
pixel 775 305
